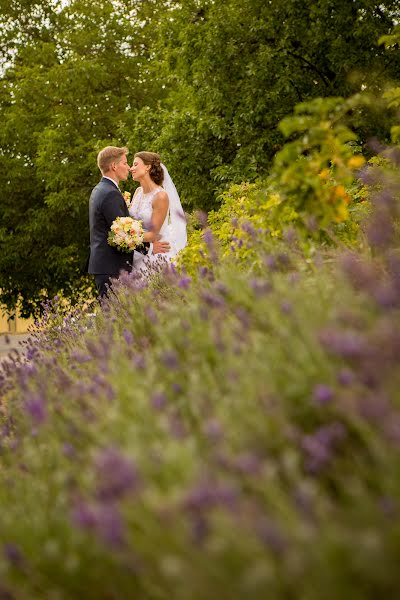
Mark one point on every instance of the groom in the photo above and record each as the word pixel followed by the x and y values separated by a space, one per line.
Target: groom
pixel 105 205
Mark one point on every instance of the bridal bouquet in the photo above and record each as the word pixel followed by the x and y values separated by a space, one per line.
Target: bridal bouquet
pixel 126 234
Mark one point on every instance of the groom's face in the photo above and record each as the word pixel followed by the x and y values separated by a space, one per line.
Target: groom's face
pixel 121 168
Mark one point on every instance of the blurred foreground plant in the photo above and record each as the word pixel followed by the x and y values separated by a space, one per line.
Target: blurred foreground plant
pixel 230 436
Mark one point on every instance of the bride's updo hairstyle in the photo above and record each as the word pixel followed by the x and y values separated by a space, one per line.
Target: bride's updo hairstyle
pixel 152 158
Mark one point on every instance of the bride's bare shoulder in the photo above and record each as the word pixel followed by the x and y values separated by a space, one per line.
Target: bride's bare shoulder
pixel 161 197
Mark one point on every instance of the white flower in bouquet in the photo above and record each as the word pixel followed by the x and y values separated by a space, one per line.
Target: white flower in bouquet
pixel 126 234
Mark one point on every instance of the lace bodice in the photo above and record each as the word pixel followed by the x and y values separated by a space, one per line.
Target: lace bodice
pixel 142 208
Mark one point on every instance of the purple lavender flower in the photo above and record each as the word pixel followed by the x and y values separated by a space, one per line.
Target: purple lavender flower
pixel 348 344
pixel 270 262
pixel 200 528
pixel 380 230
pixel 139 361
pixel 97 349
pixel 374 407
pixel 393 264
pixel 202 217
pixel 170 360
pixel 393 154
pixel 385 200
pixel 304 502
pixel 290 235
pixel 243 316
pixel 203 272
pixel 69 450
pixel 208 237
pixel 260 286
pixel 13 554
pixel 345 377
pixel 311 223
pixel 286 307
pixel 35 407
pixel 323 394
pixel 360 274
pixel 151 315
pixel 84 515
pixel 213 430
pixel 376 145
pixel 25 374
pixel 212 299
pixel 248 463
pixel 248 228
pixel 317 453
pixel 101 387
pixel 319 446
pixel 80 358
pixel 386 295
pixel 220 288
pixel 209 494
pixel 177 388
pixel 158 400
pixel 109 524
pixel 116 476
pixel 392 427
pixel 184 283
pixel 32 352
pixel 102 519
pixel 278 262
pixel 128 337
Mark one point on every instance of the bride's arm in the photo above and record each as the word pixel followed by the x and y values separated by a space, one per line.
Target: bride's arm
pixel 160 209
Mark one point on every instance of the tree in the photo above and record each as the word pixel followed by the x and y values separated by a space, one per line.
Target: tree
pixel 72 80
pixel 237 68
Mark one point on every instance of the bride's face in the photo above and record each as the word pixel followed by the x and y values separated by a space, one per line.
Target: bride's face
pixel 138 169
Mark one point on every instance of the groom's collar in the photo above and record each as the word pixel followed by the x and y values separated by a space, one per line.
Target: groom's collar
pixel 112 180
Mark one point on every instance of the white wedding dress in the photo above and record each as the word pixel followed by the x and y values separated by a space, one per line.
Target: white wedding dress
pixel 173 229
pixel 142 209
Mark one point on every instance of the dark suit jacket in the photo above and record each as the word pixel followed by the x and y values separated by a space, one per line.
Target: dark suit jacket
pixel 105 205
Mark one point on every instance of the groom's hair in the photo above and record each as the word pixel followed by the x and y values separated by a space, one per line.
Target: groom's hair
pixel 108 155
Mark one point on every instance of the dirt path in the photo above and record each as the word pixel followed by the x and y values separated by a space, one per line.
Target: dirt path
pixel 14 343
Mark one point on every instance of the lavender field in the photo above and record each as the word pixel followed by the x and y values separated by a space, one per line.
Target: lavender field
pixel 233 433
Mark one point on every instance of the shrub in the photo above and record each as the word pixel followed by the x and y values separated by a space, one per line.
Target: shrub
pixel 312 190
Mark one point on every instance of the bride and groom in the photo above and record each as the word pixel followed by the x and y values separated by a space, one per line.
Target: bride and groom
pixel 156 203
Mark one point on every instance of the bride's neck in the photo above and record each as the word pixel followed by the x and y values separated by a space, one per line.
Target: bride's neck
pixel 148 185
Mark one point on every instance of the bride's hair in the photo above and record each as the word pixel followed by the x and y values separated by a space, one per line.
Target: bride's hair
pixel 152 158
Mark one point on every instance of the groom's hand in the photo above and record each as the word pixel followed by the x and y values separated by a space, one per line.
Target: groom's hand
pixel 161 247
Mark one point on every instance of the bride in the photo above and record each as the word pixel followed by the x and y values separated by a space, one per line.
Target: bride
pixel 156 203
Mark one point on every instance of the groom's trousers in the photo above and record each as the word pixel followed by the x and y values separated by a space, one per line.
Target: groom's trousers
pixel 103 284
